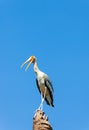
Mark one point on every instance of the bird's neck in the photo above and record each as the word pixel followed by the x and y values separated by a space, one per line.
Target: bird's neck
pixel 36 69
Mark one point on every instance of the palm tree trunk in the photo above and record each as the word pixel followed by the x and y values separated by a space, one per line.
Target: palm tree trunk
pixel 40 121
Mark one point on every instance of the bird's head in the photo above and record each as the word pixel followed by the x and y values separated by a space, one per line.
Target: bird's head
pixel 30 60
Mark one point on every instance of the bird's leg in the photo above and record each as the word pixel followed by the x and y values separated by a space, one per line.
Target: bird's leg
pixel 42 100
pixel 41 104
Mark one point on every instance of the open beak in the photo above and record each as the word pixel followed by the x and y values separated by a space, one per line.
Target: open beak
pixel 29 63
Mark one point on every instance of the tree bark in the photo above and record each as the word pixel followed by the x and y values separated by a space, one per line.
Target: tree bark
pixel 40 121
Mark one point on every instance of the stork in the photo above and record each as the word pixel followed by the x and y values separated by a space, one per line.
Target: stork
pixel 43 82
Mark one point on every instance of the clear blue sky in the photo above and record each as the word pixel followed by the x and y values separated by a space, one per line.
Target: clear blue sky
pixel 57 33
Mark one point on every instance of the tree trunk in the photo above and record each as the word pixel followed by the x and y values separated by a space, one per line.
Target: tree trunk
pixel 40 121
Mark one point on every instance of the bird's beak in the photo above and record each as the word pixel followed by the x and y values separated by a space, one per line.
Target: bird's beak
pixel 29 63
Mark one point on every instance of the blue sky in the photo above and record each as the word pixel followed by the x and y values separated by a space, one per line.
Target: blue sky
pixel 57 33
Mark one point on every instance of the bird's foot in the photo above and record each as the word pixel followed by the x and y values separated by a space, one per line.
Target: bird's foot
pixel 39 108
pixel 35 112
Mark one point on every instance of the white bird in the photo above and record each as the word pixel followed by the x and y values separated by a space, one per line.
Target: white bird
pixel 43 82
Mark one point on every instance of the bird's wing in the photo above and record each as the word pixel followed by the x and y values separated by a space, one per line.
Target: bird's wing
pixel 48 84
pixel 37 85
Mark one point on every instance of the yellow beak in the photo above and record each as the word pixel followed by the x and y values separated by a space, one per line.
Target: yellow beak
pixel 29 63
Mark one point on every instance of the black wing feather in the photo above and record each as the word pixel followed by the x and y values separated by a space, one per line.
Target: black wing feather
pixel 38 85
pixel 48 84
